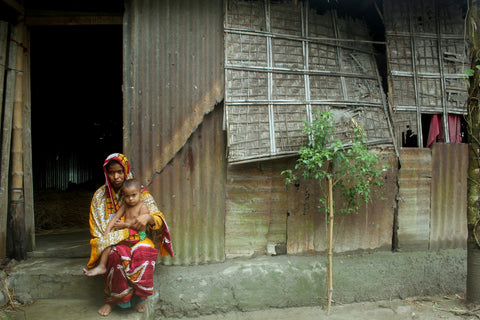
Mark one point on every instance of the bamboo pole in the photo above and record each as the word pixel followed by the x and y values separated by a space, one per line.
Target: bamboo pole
pixel 17 203
pixel 330 245
pixel 6 142
pixel 27 148
pixel 3 60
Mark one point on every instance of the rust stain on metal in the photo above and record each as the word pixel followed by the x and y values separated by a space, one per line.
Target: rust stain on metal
pixel 449 196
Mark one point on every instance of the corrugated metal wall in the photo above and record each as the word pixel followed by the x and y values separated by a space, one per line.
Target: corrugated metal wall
pixel 173 78
pixel 263 214
pixel 370 229
pixel 58 170
pixel 432 207
pixel 414 180
pixel 449 196
pixel 256 209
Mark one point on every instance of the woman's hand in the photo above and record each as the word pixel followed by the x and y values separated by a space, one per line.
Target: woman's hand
pixel 142 221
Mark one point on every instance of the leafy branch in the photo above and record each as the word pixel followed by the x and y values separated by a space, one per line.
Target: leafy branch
pixel 353 170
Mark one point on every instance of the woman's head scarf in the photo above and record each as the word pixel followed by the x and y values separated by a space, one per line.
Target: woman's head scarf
pixel 112 200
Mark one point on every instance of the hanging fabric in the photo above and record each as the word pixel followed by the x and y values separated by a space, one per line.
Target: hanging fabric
pixel 436 133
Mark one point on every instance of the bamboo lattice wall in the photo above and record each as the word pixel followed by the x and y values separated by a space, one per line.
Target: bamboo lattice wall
pixel 426 53
pixel 285 61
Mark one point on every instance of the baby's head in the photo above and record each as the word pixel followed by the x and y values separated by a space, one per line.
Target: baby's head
pixel 132 184
pixel 131 191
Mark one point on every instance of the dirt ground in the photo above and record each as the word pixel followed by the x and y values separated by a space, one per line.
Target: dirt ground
pixel 57 210
pixel 425 308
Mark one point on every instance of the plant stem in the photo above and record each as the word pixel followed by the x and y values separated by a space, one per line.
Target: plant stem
pixel 330 245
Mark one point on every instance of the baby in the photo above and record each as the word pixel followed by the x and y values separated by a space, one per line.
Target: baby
pixel 132 208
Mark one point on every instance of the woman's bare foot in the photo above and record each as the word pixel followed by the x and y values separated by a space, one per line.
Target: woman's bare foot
pixel 95 271
pixel 105 310
pixel 141 307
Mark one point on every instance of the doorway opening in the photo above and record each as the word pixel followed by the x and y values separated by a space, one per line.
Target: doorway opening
pixel 76 94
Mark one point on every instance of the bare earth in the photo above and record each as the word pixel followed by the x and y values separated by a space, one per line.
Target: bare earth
pixel 426 308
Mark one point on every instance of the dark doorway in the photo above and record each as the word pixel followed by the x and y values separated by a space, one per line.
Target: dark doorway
pixel 76 85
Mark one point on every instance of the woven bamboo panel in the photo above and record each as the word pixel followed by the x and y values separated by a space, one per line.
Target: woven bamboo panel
pixel 400 55
pixel 321 28
pixel 297 59
pixel 287 54
pixel 372 120
pixel 289 123
pixel 285 18
pixel 322 57
pixel 426 55
pixel 363 90
pixel 249 131
pixel 246 85
pixel 402 92
pixel 248 15
pixel 246 50
pixel 288 87
pixel 326 88
pixel 404 121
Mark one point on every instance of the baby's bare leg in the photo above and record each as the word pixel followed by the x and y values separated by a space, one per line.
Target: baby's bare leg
pixel 101 268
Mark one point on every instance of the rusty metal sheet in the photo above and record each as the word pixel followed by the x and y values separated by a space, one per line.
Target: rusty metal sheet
pixel 262 210
pixel 256 211
pixel 173 70
pixel 372 227
pixel 449 196
pixel 414 182
pixel 190 191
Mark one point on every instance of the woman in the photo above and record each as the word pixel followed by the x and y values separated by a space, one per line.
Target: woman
pixel 133 282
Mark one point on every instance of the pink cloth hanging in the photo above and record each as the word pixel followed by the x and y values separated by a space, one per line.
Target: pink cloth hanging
pixel 435 133
pixel 454 128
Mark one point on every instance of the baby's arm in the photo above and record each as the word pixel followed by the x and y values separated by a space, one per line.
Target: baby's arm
pixel 143 209
pixel 117 216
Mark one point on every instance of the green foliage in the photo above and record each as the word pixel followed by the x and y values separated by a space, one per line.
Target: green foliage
pixel 471 72
pixel 353 169
pixel 5 314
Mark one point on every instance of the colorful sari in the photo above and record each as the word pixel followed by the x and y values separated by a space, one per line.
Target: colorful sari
pixel 131 262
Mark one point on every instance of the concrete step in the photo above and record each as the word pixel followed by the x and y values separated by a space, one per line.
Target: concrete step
pixel 54 278
pixel 74 309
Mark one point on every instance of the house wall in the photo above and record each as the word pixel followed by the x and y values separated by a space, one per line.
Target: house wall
pixel 256 209
pixel 217 210
pixel 281 67
pixel 173 88
pixel 426 56
pixel 265 216
pixel 432 206
pixel 421 207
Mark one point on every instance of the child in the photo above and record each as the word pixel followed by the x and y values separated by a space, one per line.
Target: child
pixel 132 208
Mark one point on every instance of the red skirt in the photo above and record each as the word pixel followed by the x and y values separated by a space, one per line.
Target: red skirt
pixel 130 270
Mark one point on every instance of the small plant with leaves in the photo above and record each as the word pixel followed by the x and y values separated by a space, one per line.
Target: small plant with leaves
pixel 352 169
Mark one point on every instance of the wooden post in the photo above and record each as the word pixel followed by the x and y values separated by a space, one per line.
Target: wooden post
pixel 3 60
pixel 17 203
pixel 330 245
pixel 6 142
pixel 27 147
